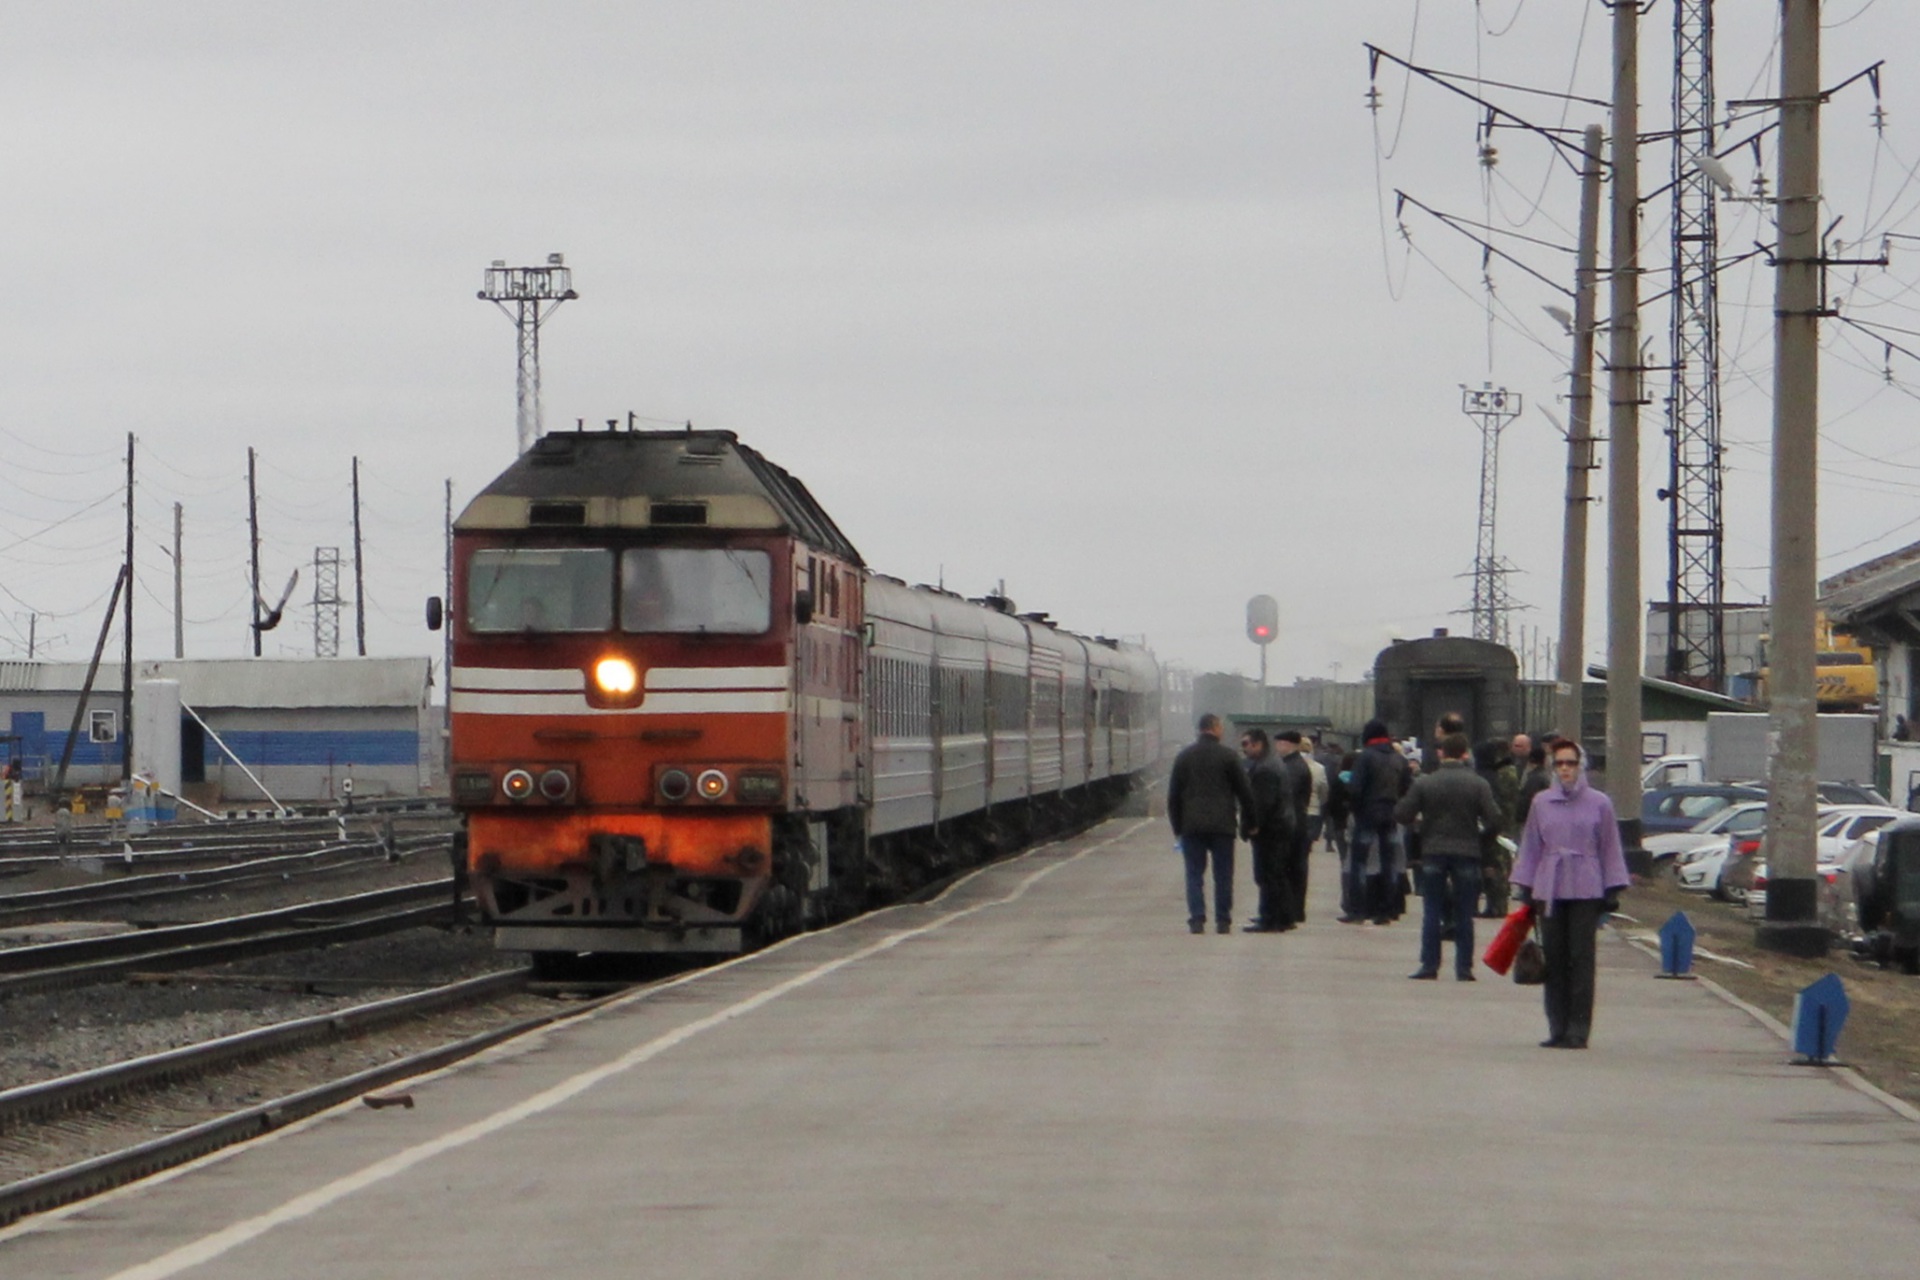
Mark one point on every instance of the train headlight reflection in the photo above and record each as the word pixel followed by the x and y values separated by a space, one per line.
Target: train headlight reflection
pixel 713 785
pixel 517 784
pixel 615 676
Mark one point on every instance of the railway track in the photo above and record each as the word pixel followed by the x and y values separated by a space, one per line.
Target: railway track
pixel 19 908
pixel 25 853
pixel 52 965
pixel 82 1134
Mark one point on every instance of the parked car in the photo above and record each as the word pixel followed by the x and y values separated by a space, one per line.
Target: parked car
pixel 1851 793
pixel 1837 828
pixel 1674 809
pixel 1709 832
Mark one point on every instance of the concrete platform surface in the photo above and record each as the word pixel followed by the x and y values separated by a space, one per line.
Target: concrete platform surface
pixel 1043 1074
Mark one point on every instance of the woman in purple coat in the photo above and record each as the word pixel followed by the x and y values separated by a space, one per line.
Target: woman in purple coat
pixel 1571 868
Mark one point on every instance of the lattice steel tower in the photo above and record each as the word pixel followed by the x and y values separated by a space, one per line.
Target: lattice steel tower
pixel 533 292
pixel 326 602
pixel 1696 585
pixel 1494 408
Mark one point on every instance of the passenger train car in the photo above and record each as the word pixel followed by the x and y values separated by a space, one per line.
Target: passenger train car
pixel 687 718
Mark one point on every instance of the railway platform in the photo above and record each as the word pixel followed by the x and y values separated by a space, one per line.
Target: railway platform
pixel 1042 1073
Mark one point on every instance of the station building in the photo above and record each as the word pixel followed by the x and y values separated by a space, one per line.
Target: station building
pixel 302 726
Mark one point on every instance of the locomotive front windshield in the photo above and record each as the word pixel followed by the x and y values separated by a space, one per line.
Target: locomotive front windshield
pixel 540 589
pixel 698 590
pixel 661 589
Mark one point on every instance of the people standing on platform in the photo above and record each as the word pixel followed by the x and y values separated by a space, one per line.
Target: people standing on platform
pixel 1317 797
pixel 1380 776
pixel 1572 870
pixel 1272 839
pixel 1334 812
pixel 1208 800
pixel 1537 778
pixel 1454 809
pixel 1493 761
pixel 1287 745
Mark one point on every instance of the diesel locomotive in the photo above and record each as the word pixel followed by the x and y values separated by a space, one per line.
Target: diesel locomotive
pixel 686 717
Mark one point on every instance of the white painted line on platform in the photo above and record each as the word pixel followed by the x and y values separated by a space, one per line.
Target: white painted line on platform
pixel 220 1242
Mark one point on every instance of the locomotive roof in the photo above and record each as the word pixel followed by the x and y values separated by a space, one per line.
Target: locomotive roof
pixel 651 480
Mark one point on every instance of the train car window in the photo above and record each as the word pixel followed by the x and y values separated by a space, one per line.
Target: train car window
pixel 540 589
pixel 696 590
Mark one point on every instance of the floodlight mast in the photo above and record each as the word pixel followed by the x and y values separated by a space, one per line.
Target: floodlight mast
pixel 533 292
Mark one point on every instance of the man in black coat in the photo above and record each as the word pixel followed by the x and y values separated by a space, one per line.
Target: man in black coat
pixel 1273 816
pixel 1287 745
pixel 1381 776
pixel 1208 799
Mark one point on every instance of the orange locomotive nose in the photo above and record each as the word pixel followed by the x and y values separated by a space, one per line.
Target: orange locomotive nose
pixel 522 843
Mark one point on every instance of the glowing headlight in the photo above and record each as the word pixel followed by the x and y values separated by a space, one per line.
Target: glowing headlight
pixel 616 676
pixel 712 784
pixel 517 784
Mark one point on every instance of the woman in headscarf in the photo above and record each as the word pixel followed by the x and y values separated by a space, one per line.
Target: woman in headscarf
pixel 1571 869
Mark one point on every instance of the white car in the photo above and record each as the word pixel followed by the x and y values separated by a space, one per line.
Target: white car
pixel 1712 830
pixel 1839 829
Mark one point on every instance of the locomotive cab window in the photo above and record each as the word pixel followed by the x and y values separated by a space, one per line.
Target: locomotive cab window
pixel 696 590
pixel 540 589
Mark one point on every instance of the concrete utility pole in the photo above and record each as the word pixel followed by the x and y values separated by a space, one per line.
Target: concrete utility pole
pixel 126 639
pixel 179 591
pixel 1792 908
pixel 359 571
pixel 1623 452
pixel 253 541
pixel 1572 674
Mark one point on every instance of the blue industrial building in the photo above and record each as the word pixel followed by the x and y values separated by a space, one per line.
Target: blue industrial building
pixel 301 726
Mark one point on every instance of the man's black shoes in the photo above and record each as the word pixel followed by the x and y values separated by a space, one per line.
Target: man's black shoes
pixel 1425 975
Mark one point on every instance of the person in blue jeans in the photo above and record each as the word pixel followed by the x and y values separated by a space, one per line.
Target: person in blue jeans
pixel 1453 808
pixel 1208 800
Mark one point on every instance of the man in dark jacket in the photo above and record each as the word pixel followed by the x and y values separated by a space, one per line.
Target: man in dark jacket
pixel 1206 794
pixel 1288 746
pixel 1493 760
pixel 1273 817
pixel 1455 809
pixel 1380 776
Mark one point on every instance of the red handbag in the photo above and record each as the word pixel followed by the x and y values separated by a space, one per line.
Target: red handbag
pixel 1506 944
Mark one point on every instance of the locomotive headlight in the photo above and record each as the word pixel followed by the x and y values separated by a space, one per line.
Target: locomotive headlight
pixel 615 676
pixel 556 784
pixel 675 784
pixel 712 784
pixel 517 784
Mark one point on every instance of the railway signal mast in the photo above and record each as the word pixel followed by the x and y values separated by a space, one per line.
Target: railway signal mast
pixel 528 295
pixel 1263 627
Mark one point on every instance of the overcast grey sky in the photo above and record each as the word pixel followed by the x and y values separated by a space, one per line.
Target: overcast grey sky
pixel 1091 298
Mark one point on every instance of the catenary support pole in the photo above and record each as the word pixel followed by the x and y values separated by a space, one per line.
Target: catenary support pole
pixel 86 688
pixel 1571 675
pixel 126 637
pixel 359 572
pixel 1792 923
pixel 253 542
pixel 1623 428
pixel 179 590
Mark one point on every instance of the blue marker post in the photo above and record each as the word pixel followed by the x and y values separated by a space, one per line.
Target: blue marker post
pixel 1676 947
pixel 1819 1012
